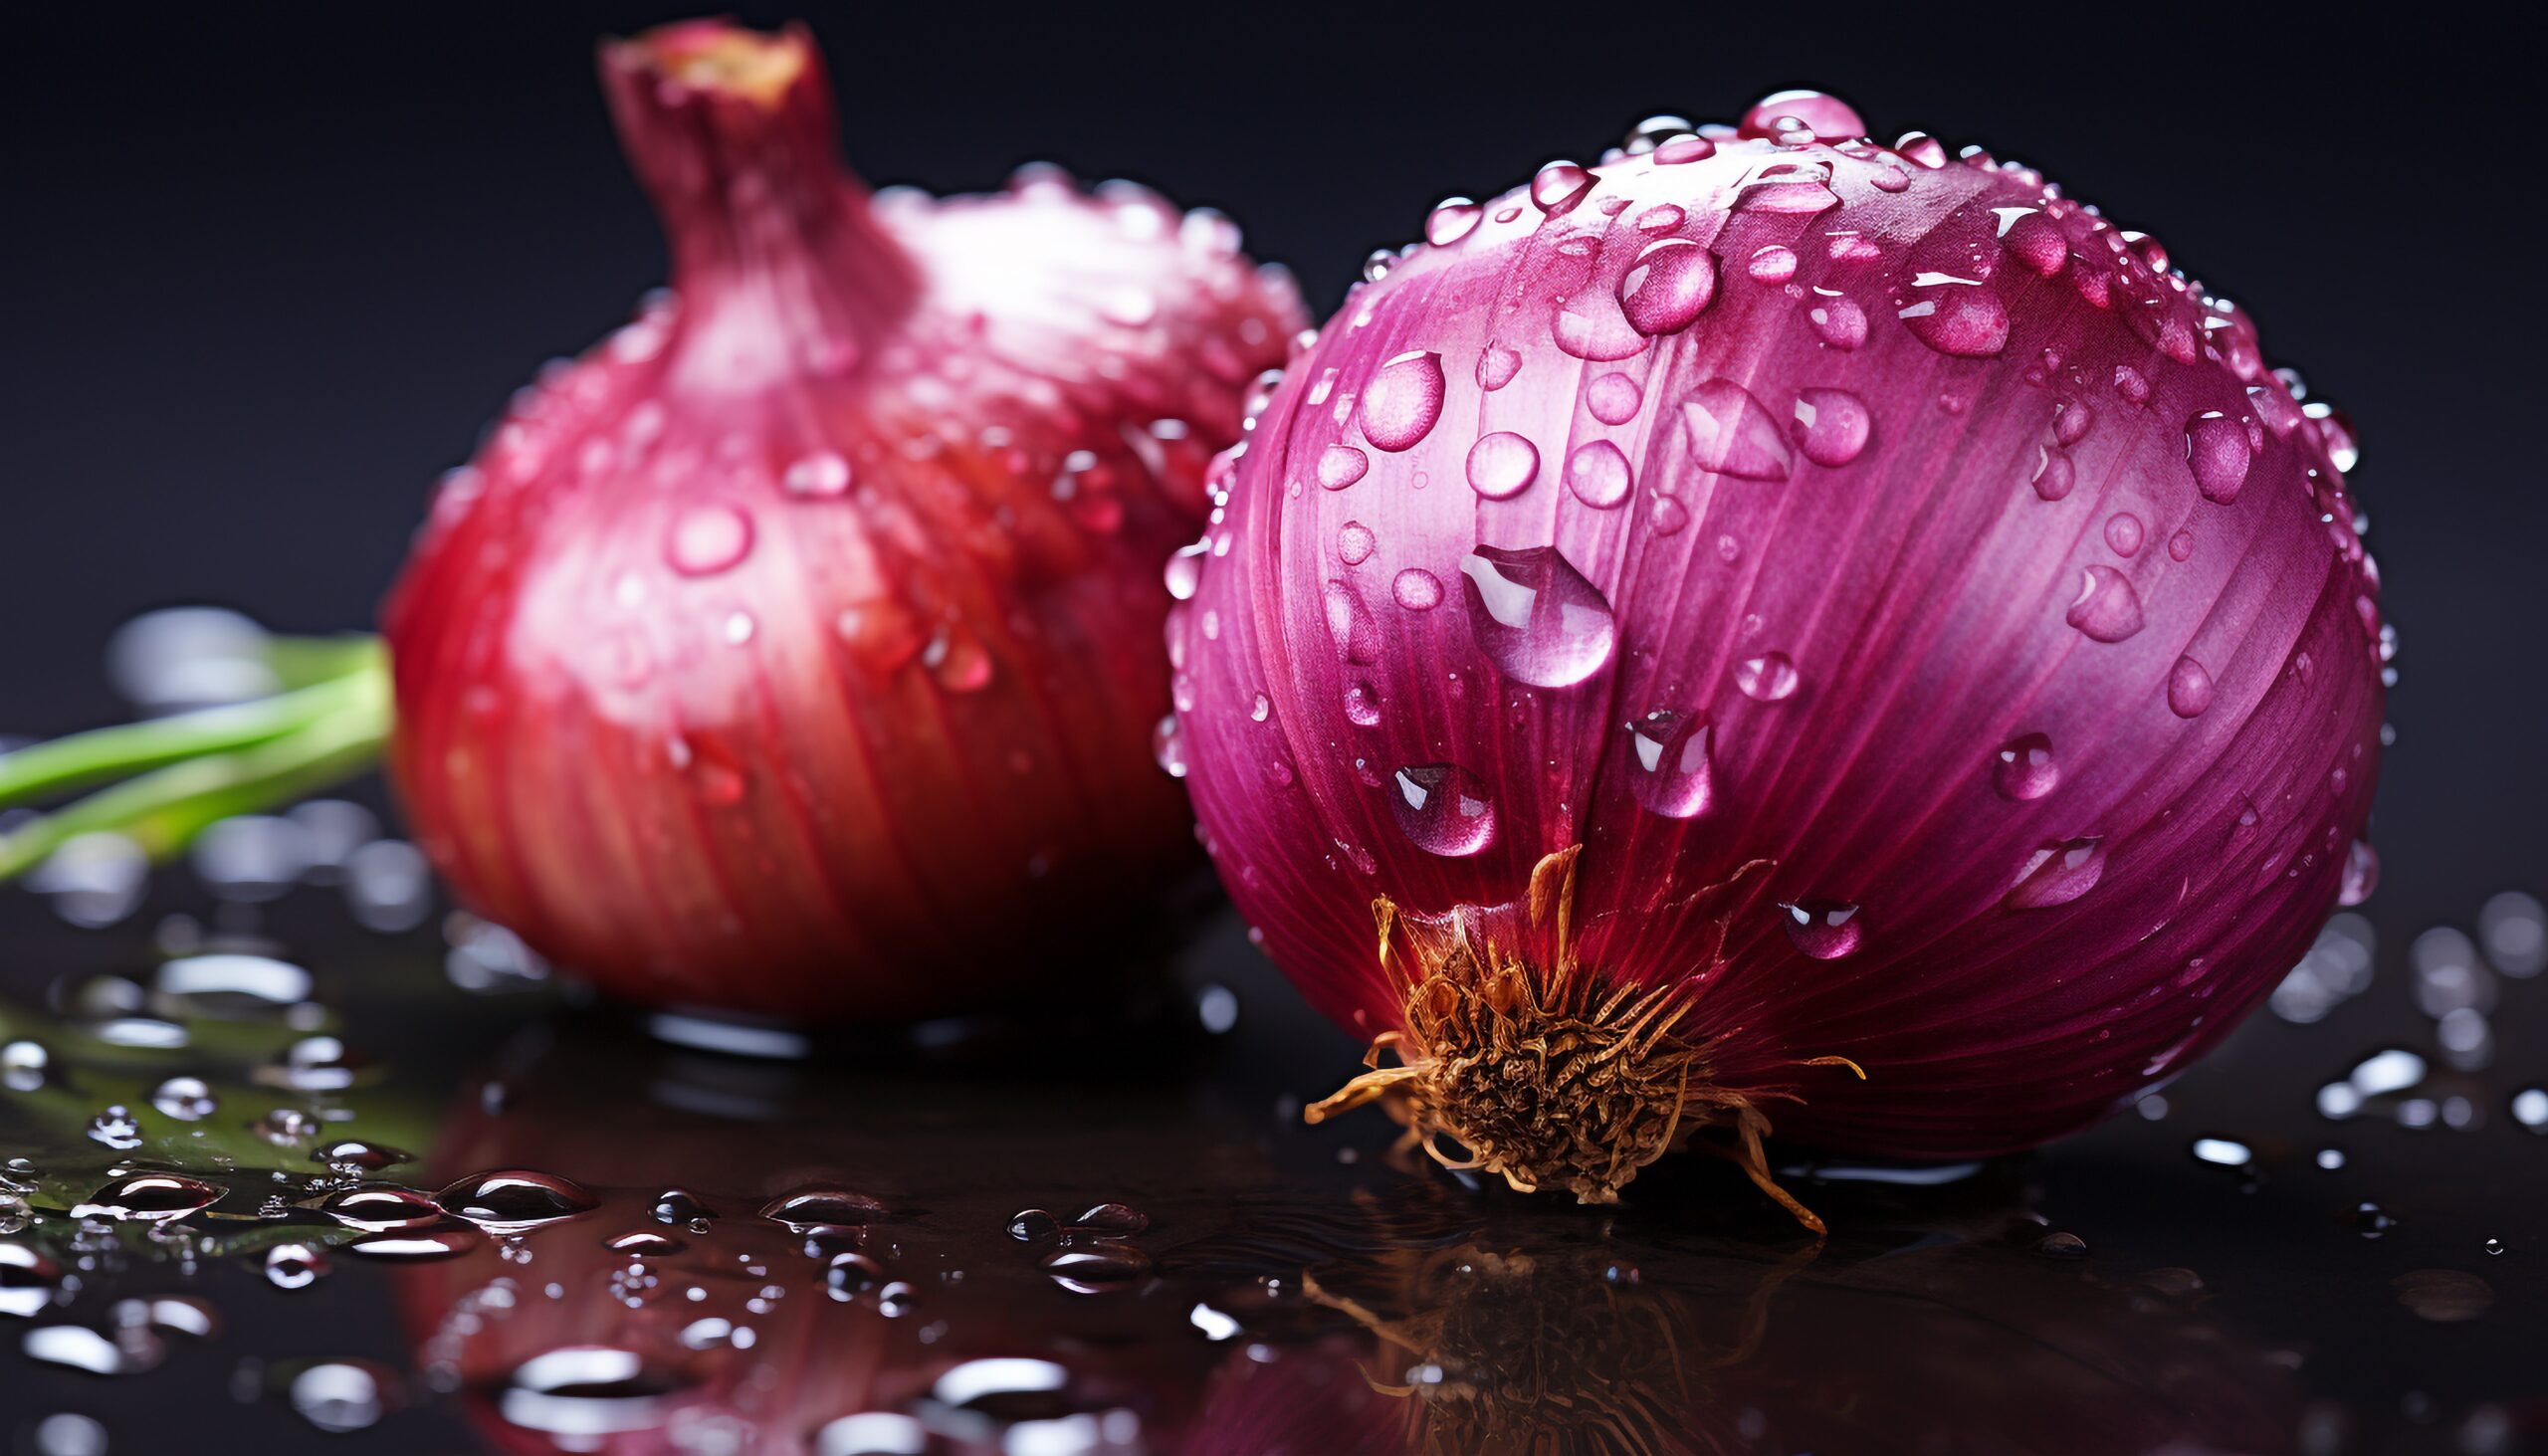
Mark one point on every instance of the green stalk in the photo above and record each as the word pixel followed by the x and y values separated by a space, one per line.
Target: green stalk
pixel 198 768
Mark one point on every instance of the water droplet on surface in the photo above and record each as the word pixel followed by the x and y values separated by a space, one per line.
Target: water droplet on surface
pixel 186 1099
pixel 1669 286
pixel 295 1266
pixel 1444 810
pixel 149 1198
pixel 2062 1246
pixel 1774 263
pixel 1825 930
pixel 1769 677
pixel 1451 219
pixel 1838 322
pixel 512 1200
pixel 707 539
pixel 1031 1225
pixel 2107 608
pixel 1349 624
pixel 1097 1267
pixel 2361 876
pixel 1496 366
pixel 2026 767
pixel 1597 474
pixel 815 1209
pixel 1340 466
pixel 1404 401
pixel 1112 1218
pixel 1830 425
pixel 1558 186
pixel 1670 771
pixel 1733 434
pixel 1502 464
pixel 1354 543
pixel 2056 874
pixel 1416 589
pixel 1614 398
pixel 2216 450
pixel 1536 617
pixel 1957 316
pixel 2181 546
pixel 2188 688
pixel 116 1127
pixel 375 1209
pixel 1591 325
pixel 2123 534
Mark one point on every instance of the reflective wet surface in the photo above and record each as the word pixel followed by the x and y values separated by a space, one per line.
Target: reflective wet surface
pixel 276 1180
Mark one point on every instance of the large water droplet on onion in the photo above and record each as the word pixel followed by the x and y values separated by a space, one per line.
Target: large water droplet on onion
pixel 1670 773
pixel 2057 874
pixel 1733 434
pixel 1825 930
pixel 2025 769
pixel 1669 286
pixel 2107 608
pixel 1442 808
pixel 1502 464
pixel 1536 616
pixel 1404 401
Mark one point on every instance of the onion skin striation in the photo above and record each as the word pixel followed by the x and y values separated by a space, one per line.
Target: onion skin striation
pixel 1766 608
pixel 789 651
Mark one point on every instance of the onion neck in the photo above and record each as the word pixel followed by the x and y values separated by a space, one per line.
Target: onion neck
pixel 776 254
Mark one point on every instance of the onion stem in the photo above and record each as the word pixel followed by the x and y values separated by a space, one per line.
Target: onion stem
pixel 184 772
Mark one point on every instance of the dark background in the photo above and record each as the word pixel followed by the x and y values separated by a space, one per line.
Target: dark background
pixel 263 277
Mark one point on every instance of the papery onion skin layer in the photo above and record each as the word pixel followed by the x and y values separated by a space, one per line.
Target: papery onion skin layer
pixel 2010 611
pixel 792 650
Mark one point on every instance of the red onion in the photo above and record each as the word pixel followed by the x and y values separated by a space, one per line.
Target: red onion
pixel 1769 606
pixel 787 650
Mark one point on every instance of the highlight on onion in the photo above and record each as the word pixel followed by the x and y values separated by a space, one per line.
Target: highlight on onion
pixel 1777 625
pixel 792 650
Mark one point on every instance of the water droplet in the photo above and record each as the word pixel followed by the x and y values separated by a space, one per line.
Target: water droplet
pixel 1496 366
pixel 1672 775
pixel 707 539
pixel 1669 286
pixel 1340 466
pixel 2057 874
pixel 1417 589
pixel 1362 704
pixel 376 1209
pixel 1788 189
pixel 1730 433
pixel 1678 151
pixel 2181 546
pixel 583 1393
pixel 1444 810
pixel 1354 543
pixel 295 1266
pixel 1614 398
pixel 2123 534
pixel 2107 608
pixel 1558 186
pixel 2025 769
pixel 1591 325
pixel 1451 219
pixel 1769 677
pixel 186 1099
pixel 1830 425
pixel 813 1211
pixel 822 474
pixel 2217 452
pixel 2188 688
pixel 1774 263
pixel 1825 930
pixel 355 1155
pixel 149 1198
pixel 116 1127
pixel 511 1200
pixel 1502 464
pixel 1112 1218
pixel 1840 322
pixel 1404 401
pixel 1597 474
pixel 2062 1246
pixel 957 658
pixel 1350 625
pixel 1957 316
pixel 1536 616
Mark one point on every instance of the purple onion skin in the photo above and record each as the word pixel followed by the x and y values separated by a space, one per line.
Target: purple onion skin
pixel 1865 621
